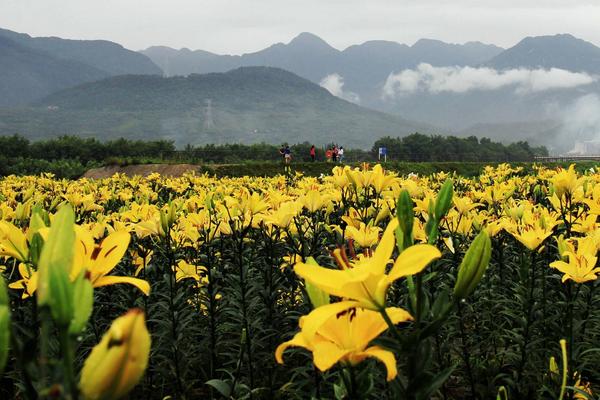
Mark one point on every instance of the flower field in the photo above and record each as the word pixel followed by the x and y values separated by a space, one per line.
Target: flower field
pixel 361 284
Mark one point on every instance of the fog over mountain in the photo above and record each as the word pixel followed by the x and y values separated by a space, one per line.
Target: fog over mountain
pixel 245 105
pixel 32 67
pixel 454 86
pixel 471 88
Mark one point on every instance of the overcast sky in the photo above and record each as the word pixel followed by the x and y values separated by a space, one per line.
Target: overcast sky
pixel 239 26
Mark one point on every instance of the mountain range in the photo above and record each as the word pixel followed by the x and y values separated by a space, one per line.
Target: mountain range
pixel 247 105
pixel 523 92
pixel 312 58
pixel 31 68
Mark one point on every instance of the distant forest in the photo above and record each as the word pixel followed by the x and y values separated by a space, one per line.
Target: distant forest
pixel 70 156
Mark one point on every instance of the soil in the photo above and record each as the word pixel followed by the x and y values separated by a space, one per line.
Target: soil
pixel 174 170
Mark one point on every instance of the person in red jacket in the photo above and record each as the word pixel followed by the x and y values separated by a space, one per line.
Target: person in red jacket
pixel 313 153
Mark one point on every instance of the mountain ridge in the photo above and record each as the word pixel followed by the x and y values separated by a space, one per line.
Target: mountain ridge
pixel 247 105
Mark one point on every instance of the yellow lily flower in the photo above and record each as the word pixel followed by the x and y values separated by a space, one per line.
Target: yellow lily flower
pixel 313 200
pixel 581 266
pixel 284 215
pixel 185 270
pixel 566 181
pixel 13 242
pixel 365 282
pixel 365 236
pixel 594 202
pixel 586 225
pixel 117 363
pixel 28 282
pixel 464 204
pixel 345 338
pixel 531 236
pixel 100 260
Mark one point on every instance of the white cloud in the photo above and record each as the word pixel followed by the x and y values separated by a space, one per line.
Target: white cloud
pixel 581 125
pixel 334 83
pixel 427 78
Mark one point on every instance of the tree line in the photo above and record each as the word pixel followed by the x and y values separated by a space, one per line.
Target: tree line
pixel 70 156
pixel 418 147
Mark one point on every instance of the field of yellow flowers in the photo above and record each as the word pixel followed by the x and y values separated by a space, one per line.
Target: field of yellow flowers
pixel 357 285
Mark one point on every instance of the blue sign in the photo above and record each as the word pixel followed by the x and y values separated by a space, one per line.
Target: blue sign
pixel 383 151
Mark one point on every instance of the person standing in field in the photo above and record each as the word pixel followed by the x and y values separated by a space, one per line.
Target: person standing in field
pixel 328 155
pixel 334 153
pixel 341 154
pixel 313 153
pixel 287 154
pixel 282 152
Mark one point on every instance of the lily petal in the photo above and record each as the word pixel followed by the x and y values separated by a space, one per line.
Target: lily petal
pixel 313 321
pixel 296 341
pixel 113 280
pixel 386 357
pixel 327 354
pixel 413 260
pixel 385 248
pixel 112 250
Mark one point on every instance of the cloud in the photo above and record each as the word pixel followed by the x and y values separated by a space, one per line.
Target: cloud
pixel 334 83
pixel 581 125
pixel 427 78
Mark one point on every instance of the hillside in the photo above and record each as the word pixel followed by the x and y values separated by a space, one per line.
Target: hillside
pixel 31 68
pixel 105 55
pixel 511 105
pixel 27 74
pixel 248 105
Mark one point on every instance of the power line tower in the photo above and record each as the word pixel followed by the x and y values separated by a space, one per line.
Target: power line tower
pixel 208 116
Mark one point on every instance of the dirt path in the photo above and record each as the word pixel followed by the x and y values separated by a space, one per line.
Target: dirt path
pixel 143 170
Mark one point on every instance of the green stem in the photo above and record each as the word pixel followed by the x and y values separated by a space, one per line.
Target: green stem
pixel 465 351
pixel 392 328
pixel 68 359
pixel 570 334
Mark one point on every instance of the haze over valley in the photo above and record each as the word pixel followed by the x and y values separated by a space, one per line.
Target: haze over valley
pixel 544 89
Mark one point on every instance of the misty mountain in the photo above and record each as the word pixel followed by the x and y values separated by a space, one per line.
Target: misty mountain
pixel 309 56
pixel 33 67
pixel 104 55
pixel 517 97
pixel 516 92
pixel 249 105
pixel 559 51
pixel 27 74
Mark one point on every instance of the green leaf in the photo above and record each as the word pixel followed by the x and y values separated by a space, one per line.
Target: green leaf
pixel 223 387
pixel 436 382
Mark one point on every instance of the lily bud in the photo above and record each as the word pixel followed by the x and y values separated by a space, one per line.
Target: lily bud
pixel 4 324
pixel 164 221
pixel 118 362
pixel 406 217
pixel 83 292
pixel 443 201
pixel 55 290
pixel 172 214
pixel 473 265
pixel 562 247
pixel 553 366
